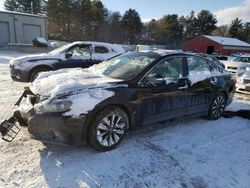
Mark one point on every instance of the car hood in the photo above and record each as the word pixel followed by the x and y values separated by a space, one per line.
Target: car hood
pixel 246 75
pixel 69 82
pixel 36 58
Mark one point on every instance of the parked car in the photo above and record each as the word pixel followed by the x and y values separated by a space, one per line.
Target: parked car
pixel 101 104
pixel 77 54
pixel 243 79
pixel 233 65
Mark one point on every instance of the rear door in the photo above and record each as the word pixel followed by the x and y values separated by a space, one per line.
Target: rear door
pixel 164 98
pixel 201 85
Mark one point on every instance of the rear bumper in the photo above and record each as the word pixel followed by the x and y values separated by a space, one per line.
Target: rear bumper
pixel 55 128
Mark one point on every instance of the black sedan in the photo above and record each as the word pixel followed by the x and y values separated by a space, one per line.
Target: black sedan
pixel 101 104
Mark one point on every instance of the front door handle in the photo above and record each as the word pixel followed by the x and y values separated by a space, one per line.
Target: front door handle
pixel 213 80
pixel 183 87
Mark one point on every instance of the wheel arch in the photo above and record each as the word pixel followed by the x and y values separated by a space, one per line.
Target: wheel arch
pixel 93 114
pixel 39 67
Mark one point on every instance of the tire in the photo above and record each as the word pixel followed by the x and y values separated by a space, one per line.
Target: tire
pixel 105 135
pixel 217 107
pixel 36 71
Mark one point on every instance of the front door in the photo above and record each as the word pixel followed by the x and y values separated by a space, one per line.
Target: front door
pixel 162 92
pixel 79 56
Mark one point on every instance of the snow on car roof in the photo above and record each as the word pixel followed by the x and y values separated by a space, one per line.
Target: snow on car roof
pixel 161 52
pixel 116 47
pixel 227 41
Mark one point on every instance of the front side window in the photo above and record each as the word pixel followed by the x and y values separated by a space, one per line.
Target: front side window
pixel 80 51
pixel 101 50
pixel 167 72
pixel 171 68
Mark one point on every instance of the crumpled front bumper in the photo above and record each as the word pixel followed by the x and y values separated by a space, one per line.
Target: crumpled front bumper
pixel 49 127
pixel 56 128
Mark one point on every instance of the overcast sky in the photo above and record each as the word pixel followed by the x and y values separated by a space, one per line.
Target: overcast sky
pixel 225 10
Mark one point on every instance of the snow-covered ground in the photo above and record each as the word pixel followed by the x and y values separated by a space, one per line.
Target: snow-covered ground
pixel 190 153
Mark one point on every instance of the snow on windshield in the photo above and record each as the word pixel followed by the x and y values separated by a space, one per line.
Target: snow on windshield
pixel 124 67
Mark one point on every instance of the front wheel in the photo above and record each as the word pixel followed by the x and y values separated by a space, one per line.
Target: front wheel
pixel 217 107
pixel 108 129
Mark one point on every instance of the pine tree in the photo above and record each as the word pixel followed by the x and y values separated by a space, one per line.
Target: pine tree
pixel 206 22
pixel 190 26
pixel 11 5
pixel 236 28
pixel 132 25
pixel 27 6
pixel 171 30
pixel 246 32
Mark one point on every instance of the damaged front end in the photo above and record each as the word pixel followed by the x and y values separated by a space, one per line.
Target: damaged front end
pixel 11 127
pixel 45 120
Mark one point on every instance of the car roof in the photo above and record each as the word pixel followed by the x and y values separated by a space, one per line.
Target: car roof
pixel 116 47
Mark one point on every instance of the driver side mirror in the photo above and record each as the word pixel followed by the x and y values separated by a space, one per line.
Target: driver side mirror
pixel 68 55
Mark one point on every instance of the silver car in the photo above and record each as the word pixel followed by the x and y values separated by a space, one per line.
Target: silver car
pixel 243 79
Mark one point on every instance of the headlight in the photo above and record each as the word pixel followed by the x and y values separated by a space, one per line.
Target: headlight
pixel 18 64
pixel 239 80
pixel 57 106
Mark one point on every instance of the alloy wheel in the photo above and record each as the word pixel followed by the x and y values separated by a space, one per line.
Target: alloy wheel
pixel 110 130
pixel 218 106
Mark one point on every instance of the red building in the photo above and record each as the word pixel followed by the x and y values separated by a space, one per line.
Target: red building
pixel 213 44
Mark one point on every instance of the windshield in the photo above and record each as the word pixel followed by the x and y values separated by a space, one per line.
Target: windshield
pixel 126 66
pixel 60 49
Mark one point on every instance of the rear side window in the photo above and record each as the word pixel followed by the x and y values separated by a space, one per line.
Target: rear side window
pixel 199 70
pixel 197 65
pixel 101 49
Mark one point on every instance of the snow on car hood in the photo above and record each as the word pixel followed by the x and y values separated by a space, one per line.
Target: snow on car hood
pixel 35 58
pixel 83 87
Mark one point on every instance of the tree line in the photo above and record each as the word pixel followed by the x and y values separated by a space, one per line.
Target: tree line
pixel 72 20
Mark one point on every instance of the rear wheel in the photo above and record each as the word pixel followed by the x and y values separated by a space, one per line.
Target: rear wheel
pixel 217 107
pixel 36 71
pixel 108 129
